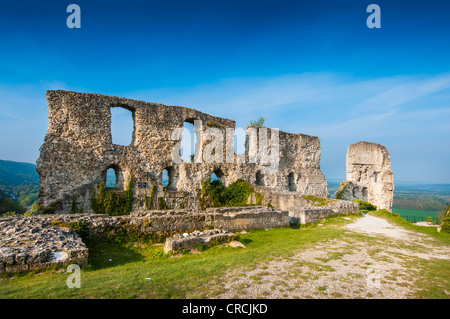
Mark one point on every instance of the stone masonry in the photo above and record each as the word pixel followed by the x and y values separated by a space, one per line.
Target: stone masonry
pixel 368 175
pixel 44 240
pixel 78 150
pixel 29 243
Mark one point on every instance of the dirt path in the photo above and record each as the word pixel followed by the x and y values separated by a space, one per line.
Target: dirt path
pixel 381 266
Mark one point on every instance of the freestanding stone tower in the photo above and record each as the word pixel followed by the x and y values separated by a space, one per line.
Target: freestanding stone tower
pixel 368 175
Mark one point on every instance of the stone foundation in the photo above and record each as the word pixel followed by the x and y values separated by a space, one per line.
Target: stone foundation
pixel 302 210
pixel 28 243
pixel 40 241
pixel 190 241
pixel 311 214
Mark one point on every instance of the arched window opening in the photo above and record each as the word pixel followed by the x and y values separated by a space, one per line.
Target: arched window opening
pixel 188 142
pixel 217 175
pixel 122 126
pixel 259 178
pixel 355 191
pixel 111 178
pixel 292 184
pixel 168 178
pixel 165 178
pixel 375 177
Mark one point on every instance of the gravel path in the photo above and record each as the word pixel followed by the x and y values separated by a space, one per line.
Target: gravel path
pixel 378 226
pixel 342 268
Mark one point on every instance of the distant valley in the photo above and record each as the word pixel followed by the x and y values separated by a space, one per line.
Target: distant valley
pixel 19 185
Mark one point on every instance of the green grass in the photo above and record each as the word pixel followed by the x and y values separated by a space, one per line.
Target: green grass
pixel 411 213
pixel 318 201
pixel 440 238
pixel 120 270
pixel 178 277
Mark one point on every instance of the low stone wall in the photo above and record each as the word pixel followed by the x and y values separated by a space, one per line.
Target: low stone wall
pixel 310 214
pixel 302 210
pixel 189 241
pixel 247 218
pixel 28 243
pixel 40 241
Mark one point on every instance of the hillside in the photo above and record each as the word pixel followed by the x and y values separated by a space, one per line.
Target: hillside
pixel 19 184
pixel 16 173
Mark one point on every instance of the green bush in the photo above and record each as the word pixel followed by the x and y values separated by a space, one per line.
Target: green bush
pixel 214 193
pixel 217 195
pixel 237 193
pixel 259 122
pixel 341 190
pixel 445 225
pixel 113 203
pixel 365 205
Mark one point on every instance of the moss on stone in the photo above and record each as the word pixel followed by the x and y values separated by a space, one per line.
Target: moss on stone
pixel 318 201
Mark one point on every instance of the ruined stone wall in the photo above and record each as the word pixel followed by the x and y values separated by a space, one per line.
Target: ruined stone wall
pixel 78 150
pixel 310 214
pixel 44 240
pixel 302 210
pixel 368 175
pixel 30 243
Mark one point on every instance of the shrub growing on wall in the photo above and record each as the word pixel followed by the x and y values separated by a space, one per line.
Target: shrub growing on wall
pixel 445 218
pixel 236 194
pixel 365 205
pixel 113 203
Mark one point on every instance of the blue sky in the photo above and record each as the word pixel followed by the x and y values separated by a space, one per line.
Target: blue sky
pixel 309 67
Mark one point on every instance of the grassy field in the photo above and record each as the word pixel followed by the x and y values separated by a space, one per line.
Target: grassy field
pixel 123 270
pixel 415 214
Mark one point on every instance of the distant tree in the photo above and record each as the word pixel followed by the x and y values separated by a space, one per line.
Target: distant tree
pixel 258 122
pixel 8 205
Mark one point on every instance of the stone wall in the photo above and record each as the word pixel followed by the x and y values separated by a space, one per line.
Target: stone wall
pixel 311 214
pixel 301 209
pixel 29 243
pixel 368 175
pixel 78 150
pixel 191 240
pixel 40 241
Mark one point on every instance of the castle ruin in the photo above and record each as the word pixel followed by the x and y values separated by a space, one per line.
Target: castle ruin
pixel 78 151
pixel 368 175
pixel 283 168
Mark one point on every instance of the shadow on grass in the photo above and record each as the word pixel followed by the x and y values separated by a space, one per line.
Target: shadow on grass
pixel 105 253
pixel 245 241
